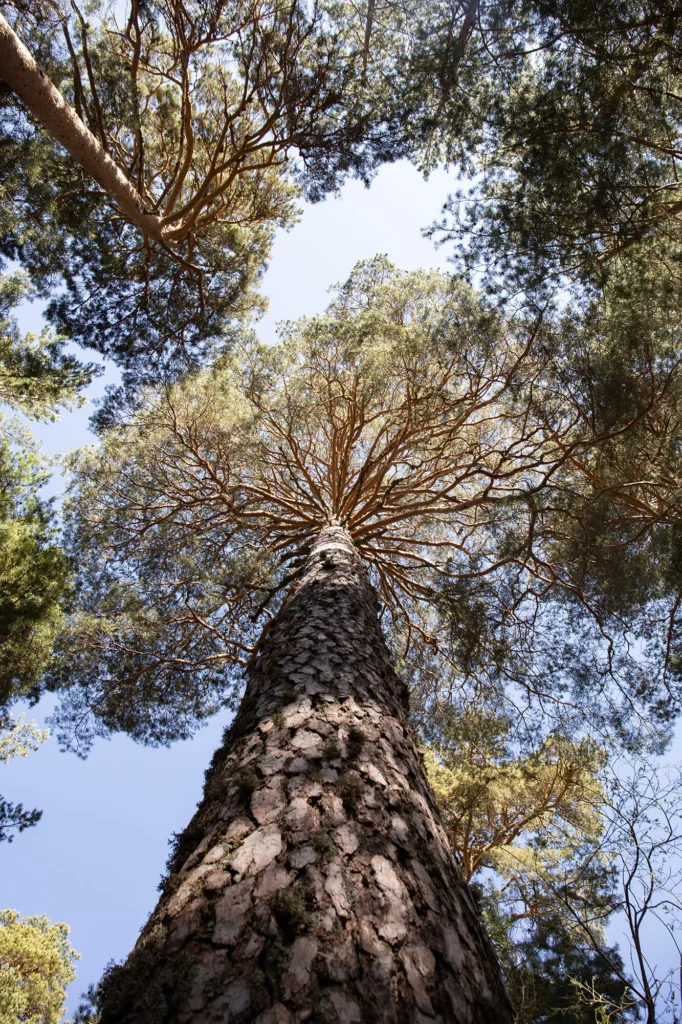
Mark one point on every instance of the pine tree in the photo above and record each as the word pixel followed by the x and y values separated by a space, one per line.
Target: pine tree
pixel 17 738
pixel 315 875
pixel 318 874
pixel 227 532
pixel 568 114
pixel 36 378
pixel 527 821
pixel 150 153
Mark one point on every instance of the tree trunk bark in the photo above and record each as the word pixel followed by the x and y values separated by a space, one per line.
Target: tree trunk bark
pixel 20 71
pixel 315 882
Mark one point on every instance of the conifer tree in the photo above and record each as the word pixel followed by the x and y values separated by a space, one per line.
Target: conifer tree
pixel 348 444
pixel 411 437
pixel 17 738
pixel 527 822
pixel 569 116
pixel 36 378
pixel 150 152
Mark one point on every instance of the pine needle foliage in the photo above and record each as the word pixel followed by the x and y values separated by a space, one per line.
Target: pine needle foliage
pixel 527 824
pixel 37 378
pixel 449 441
pixel 36 964
pixel 218 115
pixel 566 117
pixel 36 375
pixel 385 415
pixel 494 800
pixel 17 738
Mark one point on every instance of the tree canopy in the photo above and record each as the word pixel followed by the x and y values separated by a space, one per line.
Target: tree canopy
pixel 214 116
pixel 36 375
pixel 527 824
pixel 568 116
pixel 36 965
pixel 37 378
pixel 453 444
pixel 492 801
pixel 17 738
pixel 509 472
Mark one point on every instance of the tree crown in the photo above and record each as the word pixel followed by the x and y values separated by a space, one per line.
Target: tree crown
pixel 448 441
pixel 216 115
pixel 36 965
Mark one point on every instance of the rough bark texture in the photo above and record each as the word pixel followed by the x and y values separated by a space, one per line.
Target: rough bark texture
pixel 20 71
pixel 315 882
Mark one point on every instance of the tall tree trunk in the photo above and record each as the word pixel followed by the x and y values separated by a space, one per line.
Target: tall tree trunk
pixel 315 882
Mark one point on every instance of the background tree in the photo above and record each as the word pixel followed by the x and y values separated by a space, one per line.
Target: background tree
pixel 186 127
pixel 17 738
pixel 34 576
pixel 642 836
pixel 561 842
pixel 502 808
pixel 36 965
pixel 36 378
pixel 527 823
pixel 569 117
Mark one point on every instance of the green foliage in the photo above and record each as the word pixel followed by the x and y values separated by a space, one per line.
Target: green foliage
pixel 548 971
pixel 36 375
pixel 34 574
pixel 569 115
pixel 534 818
pixel 14 818
pixel 489 468
pixel 206 514
pixel 523 813
pixel 20 737
pixel 17 738
pixel 605 533
pixel 36 964
pixel 36 378
pixel 219 114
